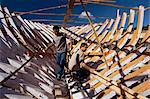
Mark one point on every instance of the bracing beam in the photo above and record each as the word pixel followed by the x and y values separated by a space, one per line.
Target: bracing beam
pixel 69 11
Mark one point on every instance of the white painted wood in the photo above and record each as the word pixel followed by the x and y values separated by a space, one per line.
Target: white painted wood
pixel 114 28
pixel 15 63
pixel 107 28
pixel 37 92
pixel 13 24
pixel 99 31
pixel 145 93
pixel 13 96
pixel 25 25
pixel 109 96
pixel 4 24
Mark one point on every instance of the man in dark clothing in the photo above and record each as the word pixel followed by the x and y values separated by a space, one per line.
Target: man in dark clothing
pixel 60 44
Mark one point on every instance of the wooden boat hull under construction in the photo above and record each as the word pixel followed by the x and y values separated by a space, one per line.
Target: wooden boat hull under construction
pixel 119 66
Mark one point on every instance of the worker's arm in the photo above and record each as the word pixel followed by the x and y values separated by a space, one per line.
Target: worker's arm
pixel 79 62
pixel 93 54
pixel 36 53
pixel 77 59
pixel 50 45
pixel 43 53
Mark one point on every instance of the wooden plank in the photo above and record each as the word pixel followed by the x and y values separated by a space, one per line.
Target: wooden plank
pixel 4 24
pixel 131 20
pixel 93 38
pixel 115 73
pixel 113 85
pixel 87 36
pixel 36 37
pixel 111 33
pixel 121 28
pixel 38 34
pixel 13 96
pixel 142 87
pixel 13 24
pixel 49 34
pixel 135 38
pixel 124 39
pixel 106 71
pixel 137 72
pixel 26 33
pixel 57 90
pixel 146 36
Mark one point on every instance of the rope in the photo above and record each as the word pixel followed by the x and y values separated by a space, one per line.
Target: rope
pixel 56 14
pixel 91 24
pixel 13 73
pixel 46 14
pixel 148 8
pixel 43 9
pixel 116 6
pixel 38 10
pixel 46 20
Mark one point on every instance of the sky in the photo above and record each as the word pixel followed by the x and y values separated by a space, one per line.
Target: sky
pixel 95 10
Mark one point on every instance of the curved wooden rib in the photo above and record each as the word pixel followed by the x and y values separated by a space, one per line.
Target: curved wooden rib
pixel 111 33
pixel 126 58
pixel 87 36
pixel 6 27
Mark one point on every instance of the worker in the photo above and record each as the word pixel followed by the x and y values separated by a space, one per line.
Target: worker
pixel 61 49
pixel 76 60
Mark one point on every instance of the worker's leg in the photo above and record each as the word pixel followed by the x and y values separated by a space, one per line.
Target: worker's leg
pixel 58 57
pixel 62 63
pixel 83 74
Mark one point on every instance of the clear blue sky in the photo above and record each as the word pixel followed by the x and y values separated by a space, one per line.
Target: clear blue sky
pixel 94 9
